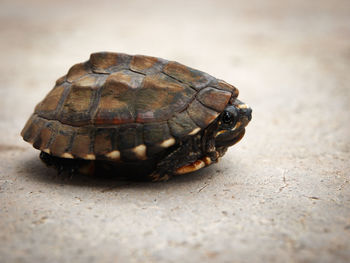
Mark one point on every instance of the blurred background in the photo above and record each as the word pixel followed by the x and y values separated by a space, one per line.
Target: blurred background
pixel 281 194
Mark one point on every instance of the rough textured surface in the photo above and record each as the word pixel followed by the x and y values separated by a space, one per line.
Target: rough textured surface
pixel 281 195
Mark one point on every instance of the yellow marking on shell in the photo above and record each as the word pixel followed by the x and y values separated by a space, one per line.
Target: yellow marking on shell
pixel 140 151
pixel 113 155
pixel 196 130
pixel 220 132
pixel 167 143
pixel 191 167
pixel 242 106
pixel 67 155
pixel 207 160
pixel 46 150
pixel 90 157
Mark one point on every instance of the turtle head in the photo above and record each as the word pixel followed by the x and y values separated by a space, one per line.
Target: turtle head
pixel 232 123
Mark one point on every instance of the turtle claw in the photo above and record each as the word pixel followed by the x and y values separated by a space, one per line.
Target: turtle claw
pixel 157 177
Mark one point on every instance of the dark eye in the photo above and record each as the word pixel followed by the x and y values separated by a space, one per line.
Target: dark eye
pixel 227 117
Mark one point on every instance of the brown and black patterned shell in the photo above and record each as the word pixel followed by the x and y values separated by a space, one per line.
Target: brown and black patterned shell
pixel 117 106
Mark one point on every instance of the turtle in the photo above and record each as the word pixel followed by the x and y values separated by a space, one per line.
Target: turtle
pixel 152 117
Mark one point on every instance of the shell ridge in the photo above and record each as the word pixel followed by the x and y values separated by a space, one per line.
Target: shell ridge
pixel 136 111
pixel 61 101
pixel 183 83
pixel 52 137
pixel 137 72
pixel 208 79
pixel 77 71
pixel 90 125
pixel 189 115
pixel 108 62
pixel 206 105
pixel 186 106
pixel 94 107
pixel 147 65
pixel 70 143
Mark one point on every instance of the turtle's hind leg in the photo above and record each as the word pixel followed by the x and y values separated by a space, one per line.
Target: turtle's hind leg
pixel 69 166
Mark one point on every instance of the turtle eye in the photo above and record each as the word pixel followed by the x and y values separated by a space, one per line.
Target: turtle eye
pixel 227 117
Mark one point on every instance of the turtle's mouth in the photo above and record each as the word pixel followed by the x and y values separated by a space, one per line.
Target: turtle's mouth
pixel 228 138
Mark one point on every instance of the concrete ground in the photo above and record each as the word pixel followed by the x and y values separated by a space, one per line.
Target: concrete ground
pixel 281 195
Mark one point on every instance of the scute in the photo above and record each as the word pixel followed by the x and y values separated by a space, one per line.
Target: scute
pixel 122 107
pixel 182 124
pixel 115 105
pixel 192 77
pixel 77 71
pixel 61 143
pixel 214 98
pixel 201 114
pixel 82 145
pixel 222 85
pixel 107 62
pixel 126 77
pixel 76 106
pixel 32 129
pixel 156 133
pixel 87 81
pixel 44 138
pixel 159 97
pixel 51 101
pixel 147 65
pixel 103 141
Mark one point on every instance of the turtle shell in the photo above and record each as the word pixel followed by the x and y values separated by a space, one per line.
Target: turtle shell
pixel 121 107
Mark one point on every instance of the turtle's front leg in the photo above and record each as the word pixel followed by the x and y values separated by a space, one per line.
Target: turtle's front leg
pixel 188 157
pixel 210 156
pixel 196 165
pixel 167 167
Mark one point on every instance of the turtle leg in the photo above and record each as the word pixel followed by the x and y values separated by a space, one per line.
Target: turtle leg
pixel 167 166
pixel 198 164
pixel 69 166
pixel 188 157
pixel 166 169
pixel 211 156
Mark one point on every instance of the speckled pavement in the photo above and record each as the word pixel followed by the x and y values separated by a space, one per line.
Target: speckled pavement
pixel 281 195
